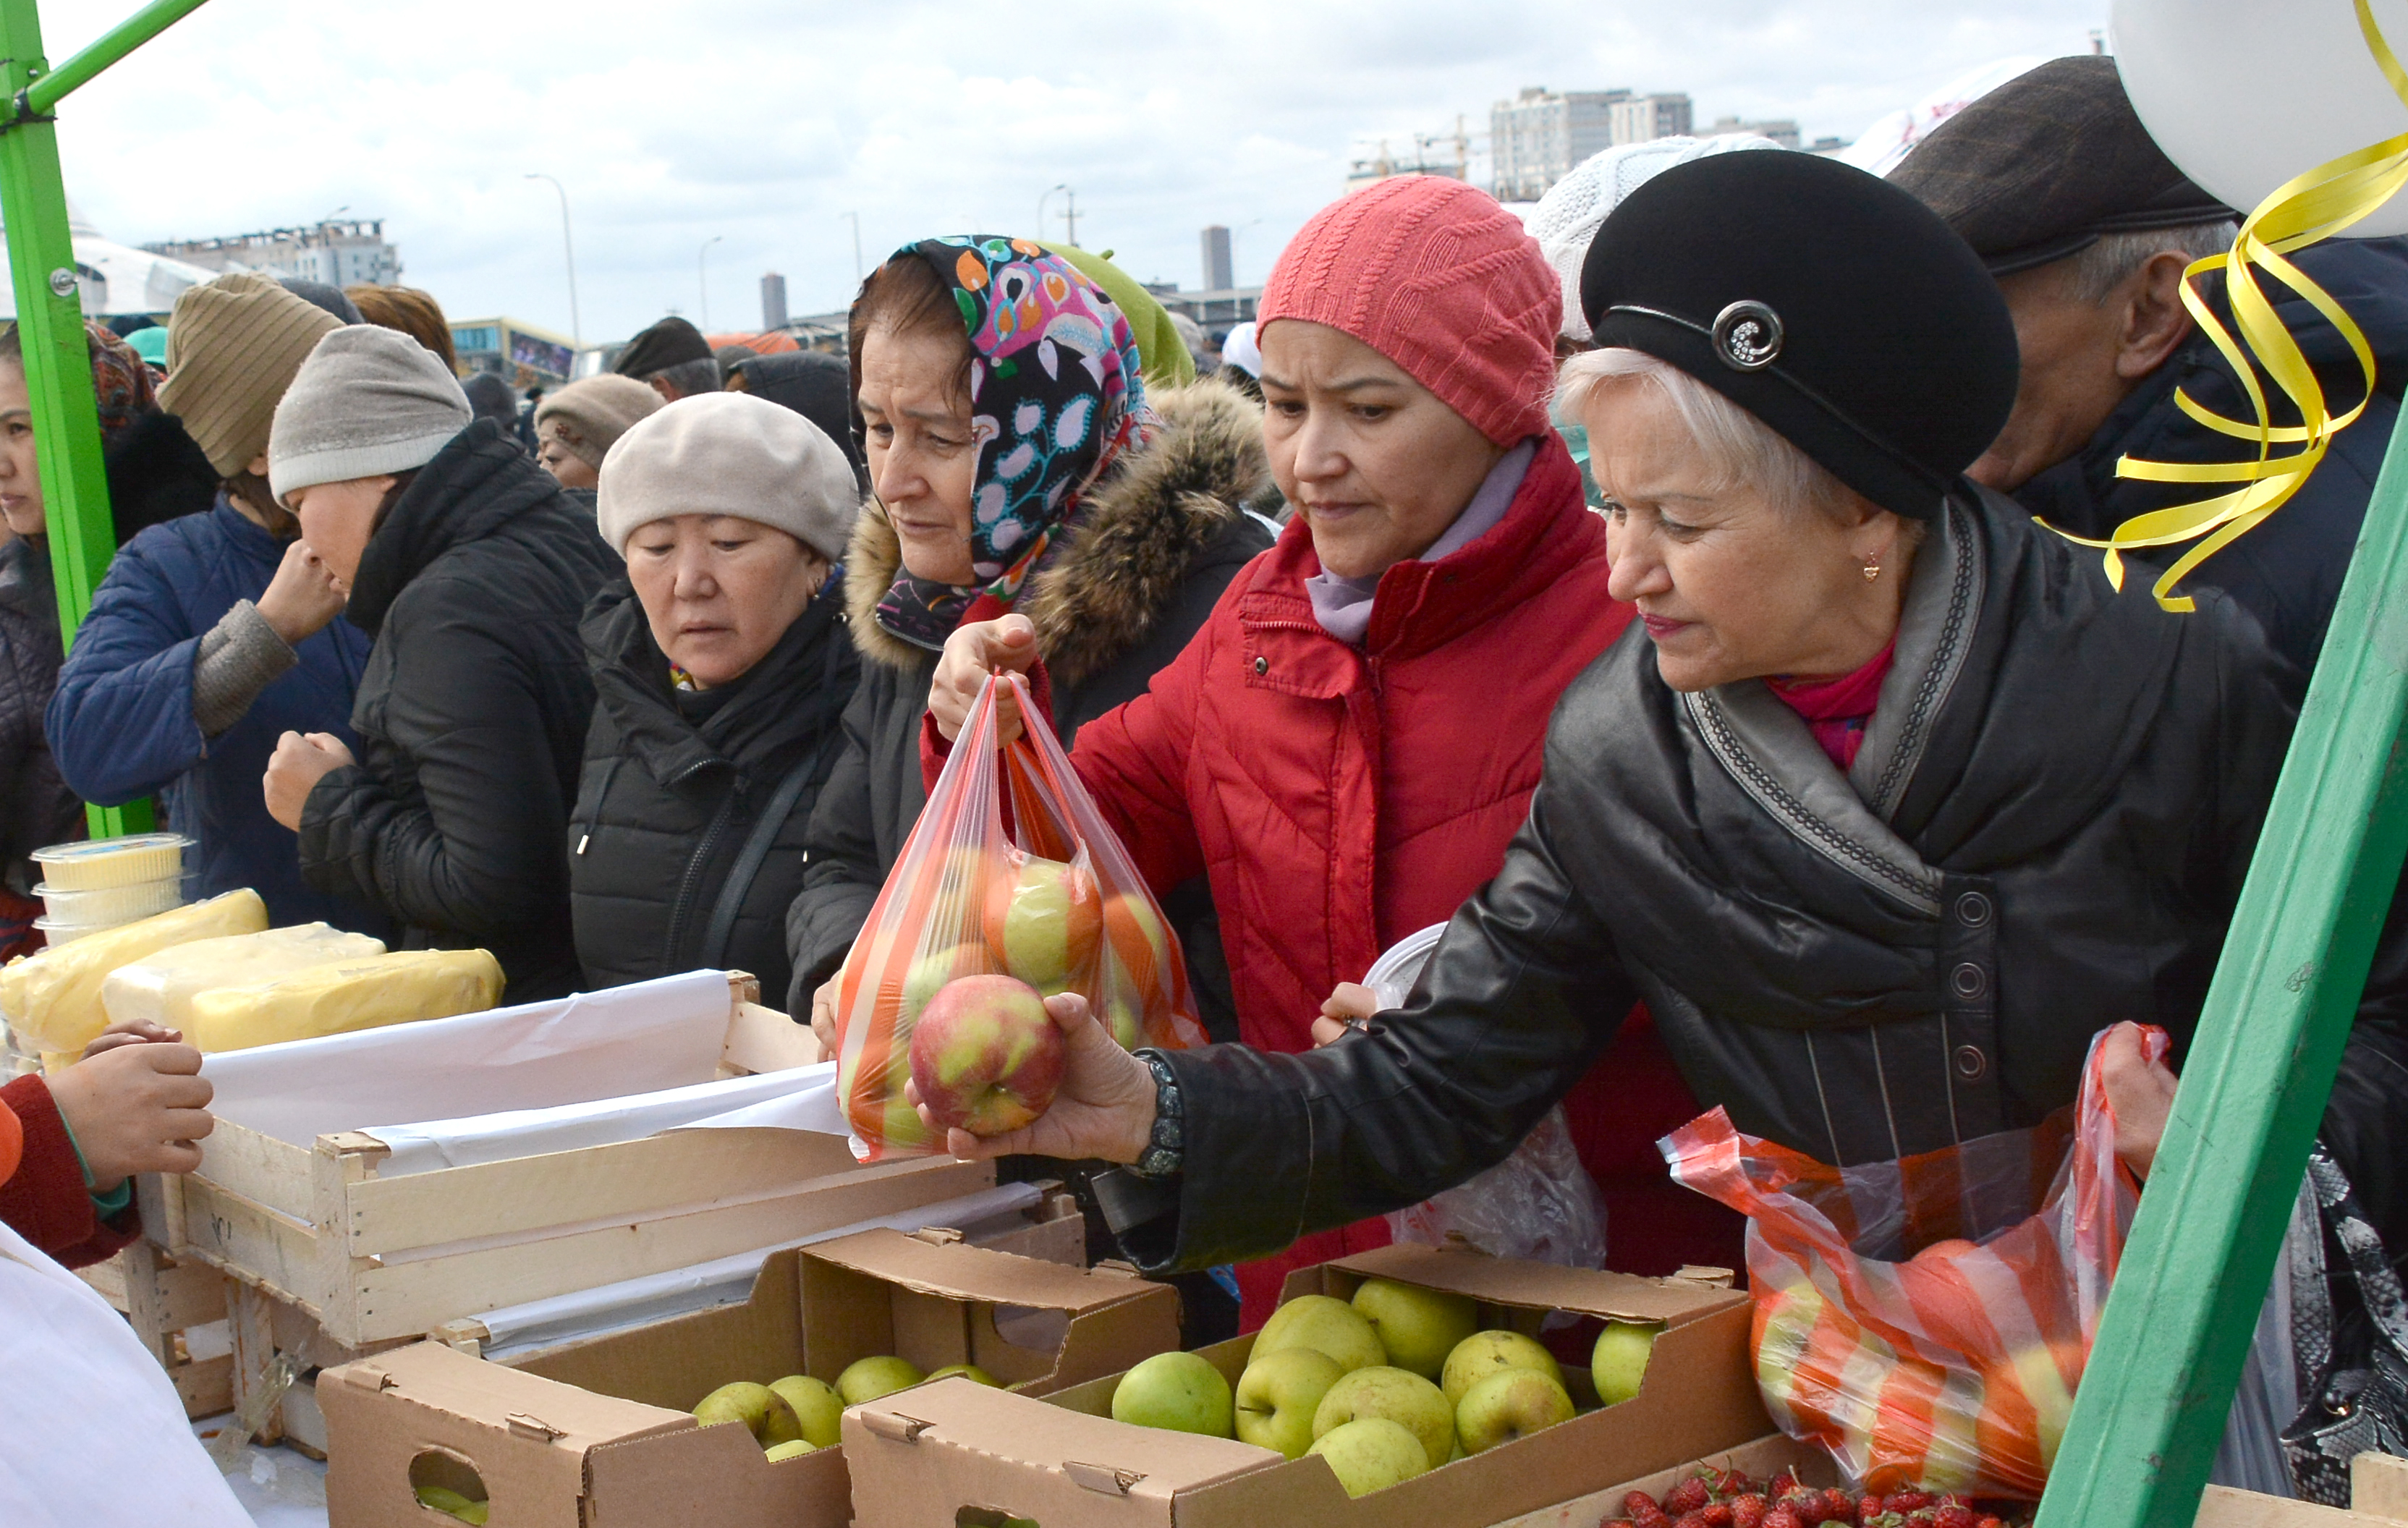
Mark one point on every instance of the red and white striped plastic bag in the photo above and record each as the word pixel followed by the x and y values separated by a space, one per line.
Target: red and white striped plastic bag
pixel 1927 1320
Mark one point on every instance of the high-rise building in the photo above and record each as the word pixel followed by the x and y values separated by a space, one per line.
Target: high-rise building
pixel 1534 140
pixel 773 302
pixel 1220 269
pixel 1783 131
pixel 1643 119
pixel 340 253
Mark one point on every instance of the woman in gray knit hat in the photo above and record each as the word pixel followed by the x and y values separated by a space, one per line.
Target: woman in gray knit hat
pixel 722 667
pixel 466 566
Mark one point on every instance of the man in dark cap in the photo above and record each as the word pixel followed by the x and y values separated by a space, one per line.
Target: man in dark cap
pixel 2087 227
pixel 673 358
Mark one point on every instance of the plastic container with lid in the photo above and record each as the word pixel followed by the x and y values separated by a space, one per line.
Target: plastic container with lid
pixel 110 906
pixel 100 862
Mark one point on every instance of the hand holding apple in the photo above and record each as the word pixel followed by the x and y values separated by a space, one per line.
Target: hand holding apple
pixel 1104 1106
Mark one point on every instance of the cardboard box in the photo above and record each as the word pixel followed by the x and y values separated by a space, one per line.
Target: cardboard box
pixel 599 1432
pixel 956 1452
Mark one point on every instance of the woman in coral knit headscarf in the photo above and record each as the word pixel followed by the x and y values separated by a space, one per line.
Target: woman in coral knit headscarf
pixel 1347 746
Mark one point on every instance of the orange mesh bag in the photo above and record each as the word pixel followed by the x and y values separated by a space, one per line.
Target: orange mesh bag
pixel 1925 1320
pixel 1010 869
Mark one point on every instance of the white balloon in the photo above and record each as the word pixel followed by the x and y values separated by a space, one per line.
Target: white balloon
pixel 2244 94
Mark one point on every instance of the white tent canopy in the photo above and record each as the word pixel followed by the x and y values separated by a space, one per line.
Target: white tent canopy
pixel 115 278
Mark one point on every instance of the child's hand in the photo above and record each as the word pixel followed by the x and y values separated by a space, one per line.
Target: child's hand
pixel 133 1032
pixel 134 1108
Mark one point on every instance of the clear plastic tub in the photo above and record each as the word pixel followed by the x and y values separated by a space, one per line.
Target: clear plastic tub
pixel 55 935
pixel 101 863
pixel 110 906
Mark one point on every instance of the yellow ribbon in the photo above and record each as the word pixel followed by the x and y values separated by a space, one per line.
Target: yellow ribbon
pixel 2303 209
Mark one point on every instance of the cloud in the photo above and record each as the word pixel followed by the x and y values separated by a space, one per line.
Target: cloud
pixel 674 120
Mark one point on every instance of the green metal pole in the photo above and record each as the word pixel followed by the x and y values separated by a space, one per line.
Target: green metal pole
pixel 58 369
pixel 144 24
pixel 2151 1404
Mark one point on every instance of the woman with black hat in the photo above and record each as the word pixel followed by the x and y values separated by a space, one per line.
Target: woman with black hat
pixel 1890 806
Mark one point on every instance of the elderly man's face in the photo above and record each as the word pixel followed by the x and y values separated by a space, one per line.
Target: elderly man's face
pixel 2080 360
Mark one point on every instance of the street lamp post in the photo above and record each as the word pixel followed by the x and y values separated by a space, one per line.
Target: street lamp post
pixel 702 276
pixel 1040 210
pixel 569 248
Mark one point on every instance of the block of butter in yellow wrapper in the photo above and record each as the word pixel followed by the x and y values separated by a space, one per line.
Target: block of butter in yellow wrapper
pixel 161 988
pixel 53 997
pixel 339 996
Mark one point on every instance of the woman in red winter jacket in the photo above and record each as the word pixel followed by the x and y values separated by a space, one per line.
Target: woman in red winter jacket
pixel 1347 745
pixel 70 1142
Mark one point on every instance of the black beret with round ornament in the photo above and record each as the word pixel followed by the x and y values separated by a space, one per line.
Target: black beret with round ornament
pixel 1830 304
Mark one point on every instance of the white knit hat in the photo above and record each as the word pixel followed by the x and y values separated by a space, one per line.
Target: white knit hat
pixel 730 453
pixel 1568 216
pixel 368 402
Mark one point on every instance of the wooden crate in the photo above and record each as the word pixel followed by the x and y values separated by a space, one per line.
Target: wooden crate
pixel 168 1303
pixel 370 1260
pixel 2378 1490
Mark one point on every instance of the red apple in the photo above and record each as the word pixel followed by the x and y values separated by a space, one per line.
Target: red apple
pixel 986 1056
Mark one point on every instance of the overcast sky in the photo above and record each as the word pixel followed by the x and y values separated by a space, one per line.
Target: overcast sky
pixel 764 121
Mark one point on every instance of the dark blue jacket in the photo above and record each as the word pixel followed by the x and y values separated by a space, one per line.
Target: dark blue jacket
pixel 2287 571
pixel 121 725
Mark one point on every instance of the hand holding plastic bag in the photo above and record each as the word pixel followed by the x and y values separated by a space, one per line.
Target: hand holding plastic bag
pixel 1927 1320
pixel 1010 869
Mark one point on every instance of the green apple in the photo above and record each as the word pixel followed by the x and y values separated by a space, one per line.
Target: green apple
pixel 930 972
pixel 1620 1362
pixel 1277 1396
pixel 1484 1353
pixel 1044 922
pixel 985 1055
pixel 763 1411
pixel 817 1407
pixel 1371 1455
pixel 1509 1405
pixel 1182 1392
pixel 793 1451
pixel 1418 1326
pixel 967 1371
pixel 1400 1395
pixel 868 1378
pixel 1325 1324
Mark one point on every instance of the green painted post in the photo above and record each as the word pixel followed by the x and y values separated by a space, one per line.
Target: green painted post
pixel 2151 1404
pixel 50 314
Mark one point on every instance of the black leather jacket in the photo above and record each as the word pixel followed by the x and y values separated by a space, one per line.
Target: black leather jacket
pixel 2045 832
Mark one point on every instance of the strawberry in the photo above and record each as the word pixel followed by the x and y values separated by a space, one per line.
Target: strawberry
pixel 1838 1507
pixel 1617 1523
pixel 1691 1519
pixel 1806 1505
pixel 1715 1515
pixel 1641 1505
pixel 1748 1510
pixel 1954 1514
pixel 1784 1516
pixel 1687 1497
pixel 1909 1501
pixel 1781 1485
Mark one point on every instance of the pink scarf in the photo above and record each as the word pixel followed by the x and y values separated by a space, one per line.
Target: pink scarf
pixel 1836 711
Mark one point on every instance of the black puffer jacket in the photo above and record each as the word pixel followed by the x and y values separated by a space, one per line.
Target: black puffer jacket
pixel 676 784
pixel 1139 570
pixel 36 808
pixel 2045 832
pixel 471 714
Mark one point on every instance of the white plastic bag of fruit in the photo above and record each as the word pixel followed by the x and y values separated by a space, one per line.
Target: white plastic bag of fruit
pixel 1010 872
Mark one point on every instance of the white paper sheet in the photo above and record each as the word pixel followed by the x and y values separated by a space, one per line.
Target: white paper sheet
pixel 646 1037
pixel 728 1281
pixel 789 1100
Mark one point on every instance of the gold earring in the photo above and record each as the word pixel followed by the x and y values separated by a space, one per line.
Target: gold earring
pixel 1872 568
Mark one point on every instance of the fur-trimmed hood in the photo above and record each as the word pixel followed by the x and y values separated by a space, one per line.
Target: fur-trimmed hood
pixel 1124 555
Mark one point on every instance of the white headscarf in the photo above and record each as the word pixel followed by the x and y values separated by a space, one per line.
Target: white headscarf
pixel 1567 216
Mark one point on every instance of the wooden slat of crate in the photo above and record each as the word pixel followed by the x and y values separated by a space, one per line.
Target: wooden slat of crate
pixel 164 1299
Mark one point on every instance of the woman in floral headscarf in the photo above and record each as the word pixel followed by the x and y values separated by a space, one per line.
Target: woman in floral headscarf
pixel 1018 461
pixel 36 808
